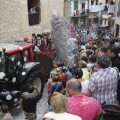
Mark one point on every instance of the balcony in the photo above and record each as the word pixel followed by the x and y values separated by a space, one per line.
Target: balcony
pixel 95 8
pixel 34 18
pixel 80 13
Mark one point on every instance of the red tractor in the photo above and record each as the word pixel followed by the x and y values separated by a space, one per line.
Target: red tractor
pixel 20 67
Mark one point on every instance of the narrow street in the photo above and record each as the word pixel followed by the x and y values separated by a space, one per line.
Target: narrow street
pixel 60 60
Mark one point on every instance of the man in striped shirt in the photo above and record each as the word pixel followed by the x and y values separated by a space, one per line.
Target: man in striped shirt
pixel 103 84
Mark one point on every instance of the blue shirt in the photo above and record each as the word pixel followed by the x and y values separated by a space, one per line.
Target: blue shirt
pixel 56 87
pixel 69 74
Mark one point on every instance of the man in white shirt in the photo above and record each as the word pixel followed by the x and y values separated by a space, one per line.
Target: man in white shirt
pixel 33 9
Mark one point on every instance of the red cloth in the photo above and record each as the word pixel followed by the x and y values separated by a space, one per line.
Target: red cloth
pixel 26 39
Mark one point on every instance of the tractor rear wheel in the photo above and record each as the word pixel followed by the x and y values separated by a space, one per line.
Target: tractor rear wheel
pixel 35 78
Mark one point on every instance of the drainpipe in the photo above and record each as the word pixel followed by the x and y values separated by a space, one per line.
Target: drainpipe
pixel 88 11
pixel 88 5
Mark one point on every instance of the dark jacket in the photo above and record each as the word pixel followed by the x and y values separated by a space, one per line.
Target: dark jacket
pixel 30 101
pixel 116 62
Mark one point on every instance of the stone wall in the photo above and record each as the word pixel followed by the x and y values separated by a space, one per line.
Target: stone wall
pixel 13 21
pixel 53 7
pixel 14 18
pixel 67 9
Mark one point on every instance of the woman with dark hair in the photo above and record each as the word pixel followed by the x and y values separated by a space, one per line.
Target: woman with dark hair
pixel 78 73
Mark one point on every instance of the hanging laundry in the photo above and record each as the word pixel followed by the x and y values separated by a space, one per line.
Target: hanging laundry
pixel 111 8
pixel 95 8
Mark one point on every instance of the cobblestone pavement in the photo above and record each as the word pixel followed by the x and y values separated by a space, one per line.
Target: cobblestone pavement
pixel 42 107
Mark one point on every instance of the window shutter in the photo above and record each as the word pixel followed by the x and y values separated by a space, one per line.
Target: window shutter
pixel 75 5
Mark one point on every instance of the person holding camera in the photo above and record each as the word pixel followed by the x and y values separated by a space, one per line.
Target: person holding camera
pixel 28 102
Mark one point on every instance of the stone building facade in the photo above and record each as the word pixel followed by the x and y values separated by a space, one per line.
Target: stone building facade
pixel 14 20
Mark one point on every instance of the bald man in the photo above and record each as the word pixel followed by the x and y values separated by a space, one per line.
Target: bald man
pixel 78 104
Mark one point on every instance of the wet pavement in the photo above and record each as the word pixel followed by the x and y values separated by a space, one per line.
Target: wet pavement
pixel 42 107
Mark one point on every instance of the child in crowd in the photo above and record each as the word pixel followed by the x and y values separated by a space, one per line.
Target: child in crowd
pixel 86 73
pixel 56 86
pixel 91 62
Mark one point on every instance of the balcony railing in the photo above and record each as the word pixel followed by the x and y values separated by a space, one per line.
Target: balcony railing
pixel 34 18
pixel 80 13
pixel 95 8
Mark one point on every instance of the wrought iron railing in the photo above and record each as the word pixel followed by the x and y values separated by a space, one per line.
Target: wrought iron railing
pixel 80 12
pixel 34 18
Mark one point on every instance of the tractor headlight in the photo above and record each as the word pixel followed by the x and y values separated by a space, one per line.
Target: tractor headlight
pixel 8 97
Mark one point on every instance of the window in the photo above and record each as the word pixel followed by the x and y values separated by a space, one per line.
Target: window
pixel 34 12
pixel 96 2
pixel 92 2
pixel 106 1
pixel 75 5
pixel 95 20
pixel 83 6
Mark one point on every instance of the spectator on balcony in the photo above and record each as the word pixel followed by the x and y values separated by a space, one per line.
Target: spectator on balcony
pixel 37 9
pixel 33 9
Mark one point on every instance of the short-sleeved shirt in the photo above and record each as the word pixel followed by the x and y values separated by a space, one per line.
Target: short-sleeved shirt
pixel 56 86
pixel 30 101
pixel 85 107
pixel 61 116
pixel 104 85
pixel 85 86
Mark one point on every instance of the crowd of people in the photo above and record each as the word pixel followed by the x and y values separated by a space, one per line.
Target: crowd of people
pixel 91 81
pixel 76 92
pixel 42 42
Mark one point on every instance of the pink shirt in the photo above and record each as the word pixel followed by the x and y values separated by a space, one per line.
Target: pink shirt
pixel 85 107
